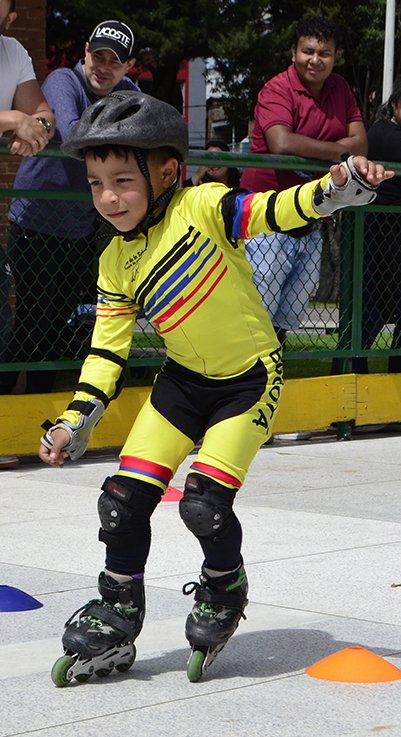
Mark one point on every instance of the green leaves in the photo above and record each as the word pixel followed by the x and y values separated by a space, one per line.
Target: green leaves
pixel 250 40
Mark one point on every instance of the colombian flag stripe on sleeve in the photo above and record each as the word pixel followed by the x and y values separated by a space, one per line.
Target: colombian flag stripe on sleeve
pixel 115 311
pixel 242 215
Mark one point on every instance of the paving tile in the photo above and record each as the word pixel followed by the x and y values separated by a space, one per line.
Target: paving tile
pixel 322 543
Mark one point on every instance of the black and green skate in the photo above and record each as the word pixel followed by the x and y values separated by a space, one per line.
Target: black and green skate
pixel 100 635
pixel 219 605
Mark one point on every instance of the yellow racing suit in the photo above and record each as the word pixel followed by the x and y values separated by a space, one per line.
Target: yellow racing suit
pixel 223 373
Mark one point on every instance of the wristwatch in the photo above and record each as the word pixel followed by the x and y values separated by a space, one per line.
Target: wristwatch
pixel 45 123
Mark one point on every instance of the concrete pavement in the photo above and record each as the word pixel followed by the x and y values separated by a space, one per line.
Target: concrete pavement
pixel 322 545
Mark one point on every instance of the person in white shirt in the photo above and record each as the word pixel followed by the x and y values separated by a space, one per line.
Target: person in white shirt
pixel 27 121
pixel 25 116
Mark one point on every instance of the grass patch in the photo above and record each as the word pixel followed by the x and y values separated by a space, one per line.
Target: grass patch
pixel 299 368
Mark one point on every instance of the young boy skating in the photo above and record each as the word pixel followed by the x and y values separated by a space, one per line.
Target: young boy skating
pixel 179 256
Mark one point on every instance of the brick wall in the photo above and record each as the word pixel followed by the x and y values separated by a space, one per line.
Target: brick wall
pixel 30 30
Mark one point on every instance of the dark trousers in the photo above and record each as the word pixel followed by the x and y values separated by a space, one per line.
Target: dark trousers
pixel 381 286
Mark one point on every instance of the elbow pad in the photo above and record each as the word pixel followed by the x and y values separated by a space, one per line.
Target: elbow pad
pixel 354 192
pixel 90 413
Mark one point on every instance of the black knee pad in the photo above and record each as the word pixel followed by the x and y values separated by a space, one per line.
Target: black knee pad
pixel 206 507
pixel 125 509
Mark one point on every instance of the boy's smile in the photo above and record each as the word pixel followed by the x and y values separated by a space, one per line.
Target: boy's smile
pixel 119 189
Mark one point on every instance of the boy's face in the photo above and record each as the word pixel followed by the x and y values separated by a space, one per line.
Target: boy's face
pixel 120 192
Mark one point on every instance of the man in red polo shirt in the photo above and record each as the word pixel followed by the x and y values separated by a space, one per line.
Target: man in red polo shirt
pixel 308 111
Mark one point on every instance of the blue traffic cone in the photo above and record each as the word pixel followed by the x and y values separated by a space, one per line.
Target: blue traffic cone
pixel 15 600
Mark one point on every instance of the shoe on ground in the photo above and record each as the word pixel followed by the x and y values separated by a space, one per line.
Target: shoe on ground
pixel 7 462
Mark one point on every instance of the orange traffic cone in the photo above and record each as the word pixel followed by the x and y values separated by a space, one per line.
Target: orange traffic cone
pixel 172 494
pixel 354 665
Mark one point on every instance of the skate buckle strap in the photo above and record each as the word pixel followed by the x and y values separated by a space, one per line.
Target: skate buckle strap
pixel 215 598
pixel 190 587
pixel 105 613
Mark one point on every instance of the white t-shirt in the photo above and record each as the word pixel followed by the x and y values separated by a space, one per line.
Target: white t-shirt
pixel 15 68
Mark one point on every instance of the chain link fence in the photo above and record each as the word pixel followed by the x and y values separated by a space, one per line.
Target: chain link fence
pixel 48 282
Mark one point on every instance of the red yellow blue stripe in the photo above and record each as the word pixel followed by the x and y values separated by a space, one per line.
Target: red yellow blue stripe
pixel 216 473
pixel 194 307
pixel 110 311
pixel 242 215
pixel 148 469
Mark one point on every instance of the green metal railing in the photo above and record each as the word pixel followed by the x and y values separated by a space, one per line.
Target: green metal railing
pixel 341 325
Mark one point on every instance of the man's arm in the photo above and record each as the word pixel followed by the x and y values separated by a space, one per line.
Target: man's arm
pixel 281 140
pixel 65 94
pixel 29 135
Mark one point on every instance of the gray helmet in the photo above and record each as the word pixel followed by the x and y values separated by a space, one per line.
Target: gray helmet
pixel 128 118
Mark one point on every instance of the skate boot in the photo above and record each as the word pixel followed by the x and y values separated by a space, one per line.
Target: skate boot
pixel 219 605
pixel 100 635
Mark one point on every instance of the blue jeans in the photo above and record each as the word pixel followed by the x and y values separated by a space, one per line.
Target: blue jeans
pixel 286 273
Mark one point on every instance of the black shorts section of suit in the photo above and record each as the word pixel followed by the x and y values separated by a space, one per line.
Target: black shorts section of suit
pixel 193 403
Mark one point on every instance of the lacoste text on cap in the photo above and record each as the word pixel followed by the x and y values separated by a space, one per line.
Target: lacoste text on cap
pixel 113 35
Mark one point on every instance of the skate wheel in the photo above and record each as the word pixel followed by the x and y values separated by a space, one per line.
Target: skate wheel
pixel 103 672
pixel 83 677
pixel 123 667
pixel 195 665
pixel 60 671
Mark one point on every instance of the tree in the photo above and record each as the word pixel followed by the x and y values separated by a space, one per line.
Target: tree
pixel 250 41
pixel 184 29
pixel 362 24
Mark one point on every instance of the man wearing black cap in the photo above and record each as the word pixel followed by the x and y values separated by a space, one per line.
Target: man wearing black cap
pixel 109 55
pixel 52 245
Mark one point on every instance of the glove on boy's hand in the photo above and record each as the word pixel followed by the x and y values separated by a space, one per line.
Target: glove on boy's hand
pixel 91 412
pixel 354 192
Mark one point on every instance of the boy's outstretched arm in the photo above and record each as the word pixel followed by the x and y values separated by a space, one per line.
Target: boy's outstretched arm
pixel 353 182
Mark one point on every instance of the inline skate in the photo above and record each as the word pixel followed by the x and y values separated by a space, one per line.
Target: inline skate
pixel 100 635
pixel 219 605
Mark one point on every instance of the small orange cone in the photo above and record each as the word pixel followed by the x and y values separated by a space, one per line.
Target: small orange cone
pixel 172 495
pixel 354 665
